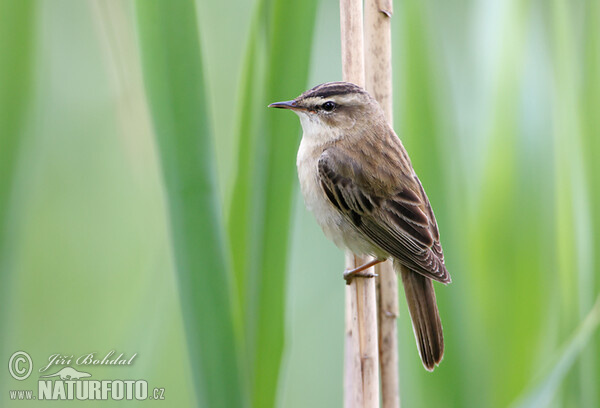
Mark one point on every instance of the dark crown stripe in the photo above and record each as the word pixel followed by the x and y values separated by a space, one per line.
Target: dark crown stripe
pixel 332 88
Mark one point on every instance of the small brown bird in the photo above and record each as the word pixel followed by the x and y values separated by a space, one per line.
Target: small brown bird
pixel 359 183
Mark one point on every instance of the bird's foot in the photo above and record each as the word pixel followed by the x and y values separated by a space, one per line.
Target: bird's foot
pixel 357 272
pixel 350 274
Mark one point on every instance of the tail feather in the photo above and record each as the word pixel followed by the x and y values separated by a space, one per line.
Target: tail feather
pixel 422 306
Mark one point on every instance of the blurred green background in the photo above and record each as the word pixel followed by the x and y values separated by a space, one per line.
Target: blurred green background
pixel 149 203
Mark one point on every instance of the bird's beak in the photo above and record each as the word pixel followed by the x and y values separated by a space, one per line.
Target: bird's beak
pixel 284 105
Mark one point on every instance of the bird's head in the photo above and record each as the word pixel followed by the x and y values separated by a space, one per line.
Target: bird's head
pixel 333 106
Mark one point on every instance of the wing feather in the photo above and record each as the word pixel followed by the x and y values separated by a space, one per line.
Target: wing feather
pixel 398 219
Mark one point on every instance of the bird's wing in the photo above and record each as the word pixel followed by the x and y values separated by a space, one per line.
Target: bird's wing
pixel 394 214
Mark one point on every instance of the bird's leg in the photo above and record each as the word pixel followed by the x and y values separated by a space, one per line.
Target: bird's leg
pixel 358 271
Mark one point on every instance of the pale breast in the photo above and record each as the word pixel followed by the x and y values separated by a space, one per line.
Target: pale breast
pixel 334 225
pixel 314 198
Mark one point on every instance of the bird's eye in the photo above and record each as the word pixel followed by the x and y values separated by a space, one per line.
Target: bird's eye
pixel 328 106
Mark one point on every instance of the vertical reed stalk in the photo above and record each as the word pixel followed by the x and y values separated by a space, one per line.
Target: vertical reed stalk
pixel 378 81
pixel 361 376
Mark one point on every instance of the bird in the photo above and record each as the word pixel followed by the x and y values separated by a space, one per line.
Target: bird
pixel 358 181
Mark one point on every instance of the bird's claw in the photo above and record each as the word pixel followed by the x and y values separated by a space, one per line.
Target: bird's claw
pixel 351 274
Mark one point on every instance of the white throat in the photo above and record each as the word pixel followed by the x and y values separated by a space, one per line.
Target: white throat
pixel 315 131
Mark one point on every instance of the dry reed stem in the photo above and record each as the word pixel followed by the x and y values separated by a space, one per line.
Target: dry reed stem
pixel 378 78
pixel 353 392
pixel 353 57
pixel 361 375
pixel 387 300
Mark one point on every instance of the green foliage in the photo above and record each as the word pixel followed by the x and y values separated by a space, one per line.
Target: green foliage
pixel 541 394
pixel 173 74
pixel 104 187
pixel 16 46
pixel 276 68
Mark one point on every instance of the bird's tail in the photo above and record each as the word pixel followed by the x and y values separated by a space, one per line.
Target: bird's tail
pixel 426 323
